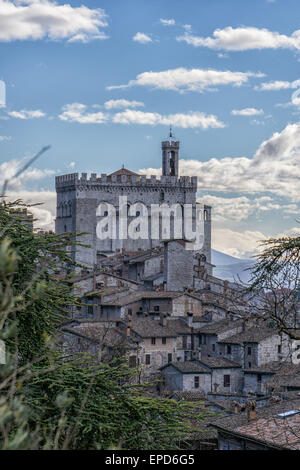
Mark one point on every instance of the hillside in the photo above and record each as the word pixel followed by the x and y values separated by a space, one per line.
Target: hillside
pixel 229 267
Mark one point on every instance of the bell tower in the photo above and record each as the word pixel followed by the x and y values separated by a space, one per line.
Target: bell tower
pixel 170 155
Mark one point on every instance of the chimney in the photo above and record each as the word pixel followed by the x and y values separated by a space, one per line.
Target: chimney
pixel 189 319
pixel 236 407
pixel 163 319
pixel 251 409
pixel 244 325
pixel 128 327
pixel 199 353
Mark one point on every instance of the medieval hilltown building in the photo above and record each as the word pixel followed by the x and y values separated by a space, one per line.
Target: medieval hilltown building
pixel 78 198
pixel 158 304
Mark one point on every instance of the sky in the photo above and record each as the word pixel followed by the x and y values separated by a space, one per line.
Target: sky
pixel 101 82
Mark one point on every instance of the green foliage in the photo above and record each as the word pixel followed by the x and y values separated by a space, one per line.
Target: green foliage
pixel 102 410
pixel 28 263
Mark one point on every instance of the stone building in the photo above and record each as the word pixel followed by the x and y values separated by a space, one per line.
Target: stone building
pixel 273 427
pixel 81 205
pixel 205 375
pixel 186 376
pixel 256 346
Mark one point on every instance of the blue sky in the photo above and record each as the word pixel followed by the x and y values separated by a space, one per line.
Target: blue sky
pixel 101 81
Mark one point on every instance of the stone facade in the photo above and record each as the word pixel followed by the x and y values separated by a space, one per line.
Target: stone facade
pixel 79 199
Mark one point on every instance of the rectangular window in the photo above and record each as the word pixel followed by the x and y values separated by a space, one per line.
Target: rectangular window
pixel 249 350
pixel 249 365
pixel 196 382
pixel 90 309
pixel 226 380
pixel 184 342
pixel 258 378
pixel 228 349
pixel 148 359
pixel 213 347
pixel 170 357
pixel 132 361
pixel 279 349
pixel 164 340
pixel 152 340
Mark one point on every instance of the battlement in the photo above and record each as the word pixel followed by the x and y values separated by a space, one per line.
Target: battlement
pixel 74 180
pixel 171 144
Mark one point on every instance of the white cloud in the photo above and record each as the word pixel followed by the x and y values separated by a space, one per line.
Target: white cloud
pixel 274 168
pixel 44 213
pixel 113 104
pixel 10 168
pixel 168 22
pixel 238 244
pixel 247 112
pixel 38 19
pixel 142 38
pixel 277 85
pixel 243 244
pixel 4 137
pixel 26 114
pixel 241 207
pixel 190 120
pixel 244 38
pixel 182 79
pixel 77 112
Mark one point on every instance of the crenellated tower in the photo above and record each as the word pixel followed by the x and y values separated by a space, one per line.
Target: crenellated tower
pixel 79 196
pixel 170 156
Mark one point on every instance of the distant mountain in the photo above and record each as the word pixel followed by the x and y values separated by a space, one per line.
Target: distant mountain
pixel 231 268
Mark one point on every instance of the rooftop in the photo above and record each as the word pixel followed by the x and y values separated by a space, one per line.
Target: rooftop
pixel 220 326
pixel 150 328
pixel 267 428
pixel 218 363
pixel 123 171
pixel 256 334
pixel 188 367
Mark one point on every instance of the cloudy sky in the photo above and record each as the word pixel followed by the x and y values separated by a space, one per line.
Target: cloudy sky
pixel 101 81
